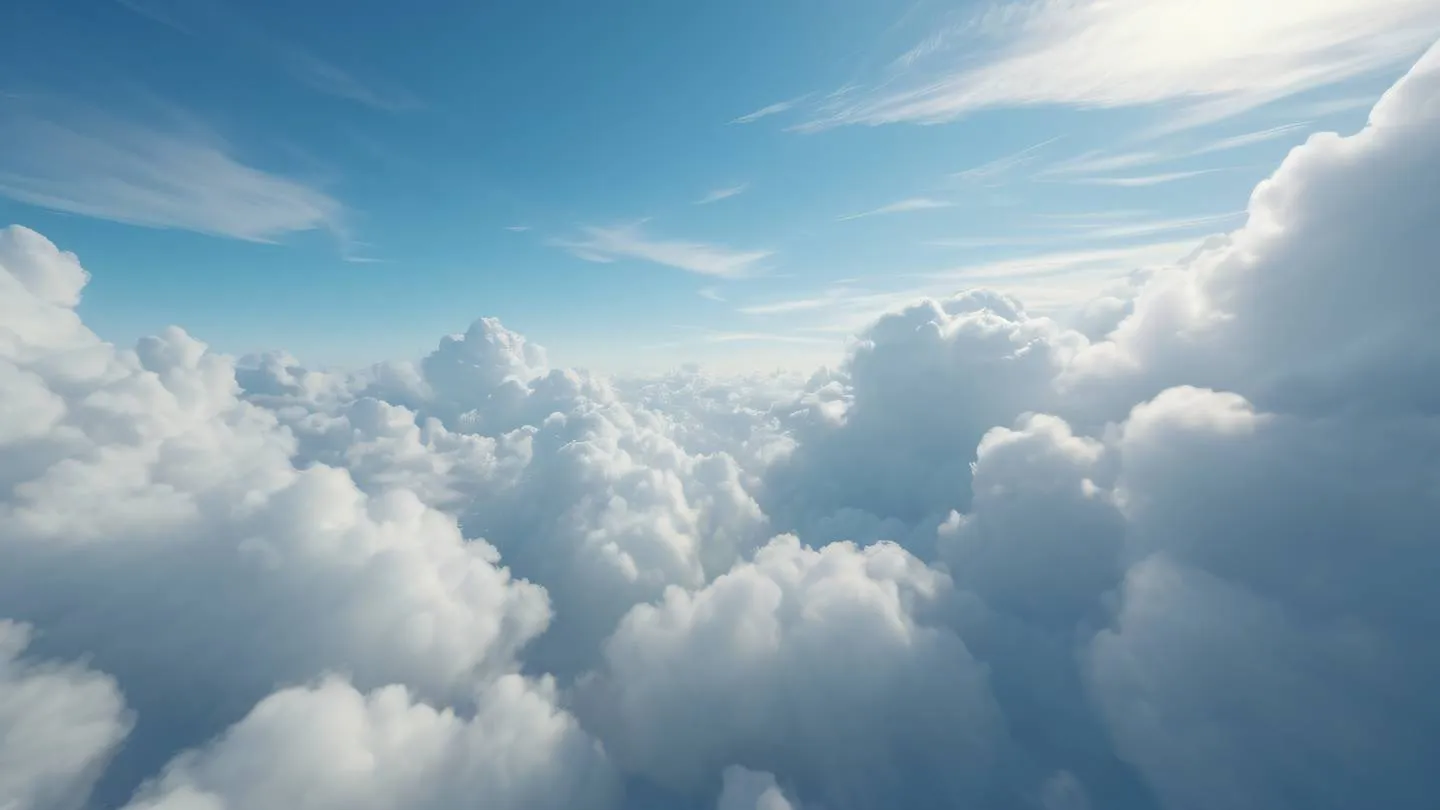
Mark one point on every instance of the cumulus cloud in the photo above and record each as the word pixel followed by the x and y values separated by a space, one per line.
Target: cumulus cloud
pixel 59 725
pixel 1172 553
pixel 921 388
pixel 748 790
pixel 830 666
pixel 330 746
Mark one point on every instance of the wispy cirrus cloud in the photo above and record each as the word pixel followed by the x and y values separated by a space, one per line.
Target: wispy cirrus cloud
pixel 992 170
pixel 1100 227
pixel 606 245
pixel 328 78
pixel 1213 59
pixel 901 207
pixel 181 177
pixel 1145 180
pixel 216 21
pixel 724 193
pixel 1101 162
pixel 768 110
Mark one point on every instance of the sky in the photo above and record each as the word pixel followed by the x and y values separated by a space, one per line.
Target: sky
pixel 646 184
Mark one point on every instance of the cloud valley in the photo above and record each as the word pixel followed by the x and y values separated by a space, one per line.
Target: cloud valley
pixel 1180 558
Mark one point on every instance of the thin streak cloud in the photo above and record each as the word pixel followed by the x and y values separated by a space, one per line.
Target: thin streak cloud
pixel 182 178
pixel 767 111
pixel 1146 180
pixel 902 207
pixel 217 21
pixel 607 245
pixel 723 194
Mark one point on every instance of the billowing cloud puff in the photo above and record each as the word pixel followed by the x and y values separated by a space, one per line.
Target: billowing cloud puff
pixel 596 499
pixel 922 387
pixel 832 666
pixel 59 725
pixel 330 746
pixel 1320 301
pixel 1176 558
pixel 748 790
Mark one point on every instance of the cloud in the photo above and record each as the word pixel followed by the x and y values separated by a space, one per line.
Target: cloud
pixel 606 245
pixel 723 194
pixel 328 78
pixel 1145 180
pixel 987 172
pixel 1181 559
pixel 748 790
pixel 142 174
pixel 902 207
pixel 798 647
pixel 1213 61
pixel 327 747
pixel 1098 162
pixel 1103 226
pixel 61 725
pixel 710 294
pixel 767 111
pixel 217 22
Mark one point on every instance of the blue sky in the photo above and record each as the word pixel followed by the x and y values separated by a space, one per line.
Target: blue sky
pixel 639 184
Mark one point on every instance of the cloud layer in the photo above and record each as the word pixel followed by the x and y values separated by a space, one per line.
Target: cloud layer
pixel 1178 560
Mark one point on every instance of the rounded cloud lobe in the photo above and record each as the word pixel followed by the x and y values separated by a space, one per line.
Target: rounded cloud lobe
pixel 1184 564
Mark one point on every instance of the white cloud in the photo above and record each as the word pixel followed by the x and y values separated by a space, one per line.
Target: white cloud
pixel 330 747
pixel 988 172
pixel 1220 58
pixel 1098 162
pixel 815 664
pixel 767 111
pixel 1249 138
pixel 1102 227
pixel 902 207
pixel 750 790
pixel 1144 180
pixel 630 242
pixel 140 174
pixel 723 194
pixel 216 22
pixel 59 726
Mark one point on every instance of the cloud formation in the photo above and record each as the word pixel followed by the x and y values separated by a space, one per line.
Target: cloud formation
pixel 607 245
pixel 902 206
pixel 724 193
pixel 158 177
pixel 1217 59
pixel 1179 559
